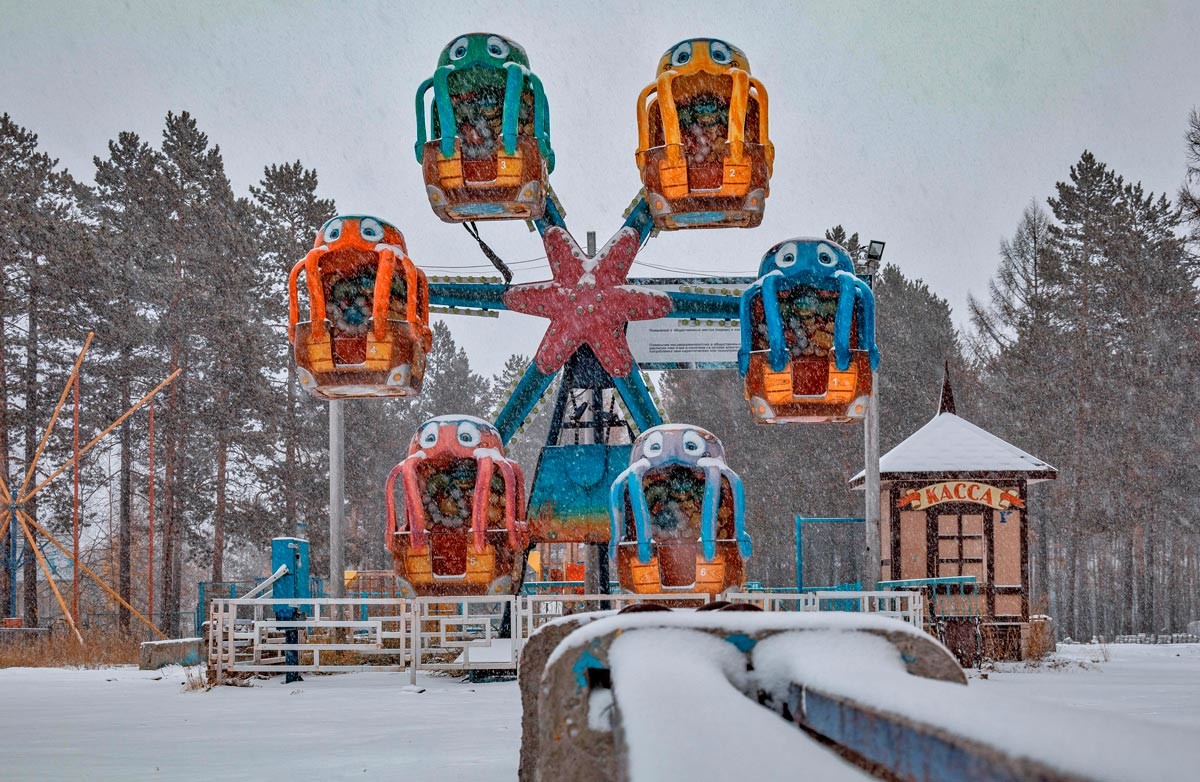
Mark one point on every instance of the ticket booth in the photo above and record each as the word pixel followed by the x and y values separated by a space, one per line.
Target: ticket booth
pixel 954 524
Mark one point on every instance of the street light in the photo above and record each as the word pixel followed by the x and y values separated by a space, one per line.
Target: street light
pixel 871 448
pixel 874 256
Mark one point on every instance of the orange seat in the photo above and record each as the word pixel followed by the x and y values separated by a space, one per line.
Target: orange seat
pixel 498 187
pixel 680 566
pixel 677 563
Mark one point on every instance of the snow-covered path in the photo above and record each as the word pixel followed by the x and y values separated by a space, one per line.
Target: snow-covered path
pixel 125 724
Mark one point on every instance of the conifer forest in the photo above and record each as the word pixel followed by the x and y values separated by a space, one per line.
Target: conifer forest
pixel 1083 348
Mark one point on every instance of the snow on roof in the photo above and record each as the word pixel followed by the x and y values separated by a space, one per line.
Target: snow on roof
pixel 949 444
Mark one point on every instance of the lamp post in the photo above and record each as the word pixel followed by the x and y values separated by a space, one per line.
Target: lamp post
pixel 871 509
pixel 337 507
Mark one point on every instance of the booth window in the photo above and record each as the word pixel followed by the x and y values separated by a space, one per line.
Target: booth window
pixel 961 548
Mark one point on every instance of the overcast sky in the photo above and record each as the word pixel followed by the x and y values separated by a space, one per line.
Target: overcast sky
pixel 929 126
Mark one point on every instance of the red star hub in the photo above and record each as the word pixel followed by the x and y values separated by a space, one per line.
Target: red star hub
pixel 588 302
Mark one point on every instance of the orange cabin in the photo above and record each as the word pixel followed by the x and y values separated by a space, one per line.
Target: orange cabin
pixel 810 388
pixel 368 328
pixel 703 149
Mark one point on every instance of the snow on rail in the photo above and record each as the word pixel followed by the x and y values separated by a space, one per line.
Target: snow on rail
pixel 745 622
pixel 683 715
pixel 586 704
pixel 868 670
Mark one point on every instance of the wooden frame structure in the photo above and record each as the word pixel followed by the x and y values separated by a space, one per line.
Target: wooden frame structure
pixel 14 515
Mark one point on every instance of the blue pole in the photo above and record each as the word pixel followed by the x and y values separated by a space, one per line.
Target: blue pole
pixel 14 562
pixel 799 554
pixel 637 399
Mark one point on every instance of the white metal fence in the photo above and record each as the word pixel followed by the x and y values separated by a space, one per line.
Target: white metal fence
pixel 1155 638
pixel 906 606
pixel 447 633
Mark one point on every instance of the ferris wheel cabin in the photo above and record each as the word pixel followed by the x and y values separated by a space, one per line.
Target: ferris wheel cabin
pixel 704 153
pixel 368 327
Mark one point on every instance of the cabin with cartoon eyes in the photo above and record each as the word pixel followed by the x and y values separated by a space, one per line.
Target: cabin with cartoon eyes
pixel 704 154
pixel 463 530
pixel 368 328
pixel 808 336
pixel 485 152
pixel 678 515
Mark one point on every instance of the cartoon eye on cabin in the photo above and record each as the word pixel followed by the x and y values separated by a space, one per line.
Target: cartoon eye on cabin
pixel 463 530
pixel 703 151
pixel 678 515
pixel 808 336
pixel 368 328
pixel 487 154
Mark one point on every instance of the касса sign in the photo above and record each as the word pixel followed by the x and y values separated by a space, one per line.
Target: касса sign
pixel 961 491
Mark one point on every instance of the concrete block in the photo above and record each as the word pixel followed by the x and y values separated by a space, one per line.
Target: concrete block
pixel 177 651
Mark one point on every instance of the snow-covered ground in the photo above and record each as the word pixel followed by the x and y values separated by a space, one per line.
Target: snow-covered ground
pixel 1154 683
pixel 125 724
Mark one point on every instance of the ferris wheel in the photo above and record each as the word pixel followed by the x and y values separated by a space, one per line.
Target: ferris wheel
pixel 660 495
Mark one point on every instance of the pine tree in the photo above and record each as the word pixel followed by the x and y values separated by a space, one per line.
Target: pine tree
pixel 1085 211
pixel 1153 348
pixel 850 244
pixel 451 386
pixel 237 336
pixel 1018 296
pixel 198 196
pixel 40 254
pixel 287 214
pixel 129 209
pixel 1013 343
pixel 916 337
pixel 1097 329
pixel 1189 193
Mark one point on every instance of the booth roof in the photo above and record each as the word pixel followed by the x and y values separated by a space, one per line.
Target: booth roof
pixel 952 446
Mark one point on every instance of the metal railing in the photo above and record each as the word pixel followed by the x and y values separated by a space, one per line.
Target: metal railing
pixel 1155 638
pixel 454 633
pixel 245 636
pixel 536 610
pixel 906 606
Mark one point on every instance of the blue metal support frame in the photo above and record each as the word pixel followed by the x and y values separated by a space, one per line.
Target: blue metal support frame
pixel 490 296
pixel 468 295
pixel 644 414
pixel 637 399
pixel 534 383
pixel 704 306
pixel 550 218
pixel 639 218
pixel 524 398
pixel 800 522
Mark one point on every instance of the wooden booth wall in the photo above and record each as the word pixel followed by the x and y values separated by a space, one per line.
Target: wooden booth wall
pixel 960 539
